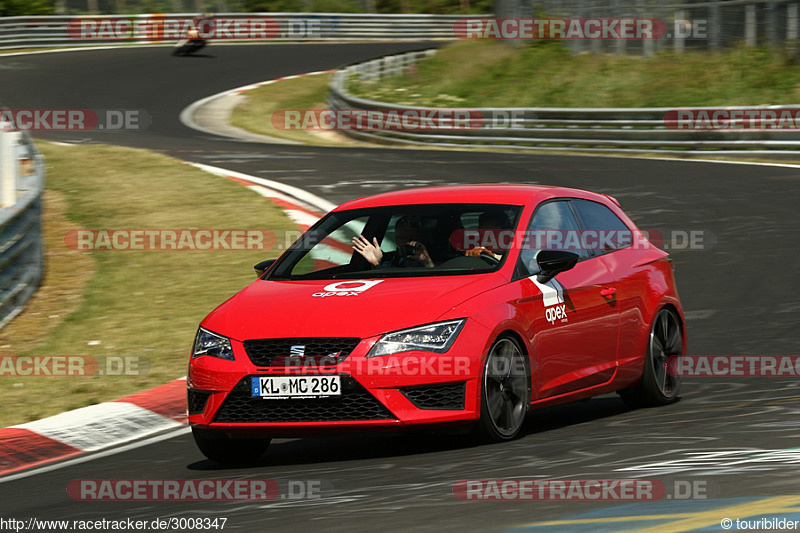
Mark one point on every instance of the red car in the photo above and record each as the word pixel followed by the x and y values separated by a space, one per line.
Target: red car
pixel 461 305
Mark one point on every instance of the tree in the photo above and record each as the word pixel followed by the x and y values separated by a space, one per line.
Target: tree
pixel 15 8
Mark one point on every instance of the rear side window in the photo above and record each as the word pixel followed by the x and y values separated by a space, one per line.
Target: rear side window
pixel 603 231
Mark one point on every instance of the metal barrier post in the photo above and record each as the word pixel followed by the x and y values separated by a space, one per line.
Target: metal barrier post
pixel 9 167
pixel 750 24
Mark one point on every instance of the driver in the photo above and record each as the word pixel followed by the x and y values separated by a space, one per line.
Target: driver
pixel 491 221
pixel 409 235
pixel 192 41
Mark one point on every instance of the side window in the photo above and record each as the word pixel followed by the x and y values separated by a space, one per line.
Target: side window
pixel 603 231
pixel 332 251
pixel 553 227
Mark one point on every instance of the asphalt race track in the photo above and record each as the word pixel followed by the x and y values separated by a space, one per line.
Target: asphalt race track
pixel 739 438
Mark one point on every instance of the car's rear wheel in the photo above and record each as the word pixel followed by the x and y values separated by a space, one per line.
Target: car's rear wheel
pixel 658 386
pixel 505 392
pixel 218 447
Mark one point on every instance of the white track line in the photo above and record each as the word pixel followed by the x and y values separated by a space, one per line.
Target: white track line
pixel 101 426
pixel 295 192
pixel 187 114
pixel 92 456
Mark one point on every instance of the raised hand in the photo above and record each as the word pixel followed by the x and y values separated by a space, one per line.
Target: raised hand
pixel 370 250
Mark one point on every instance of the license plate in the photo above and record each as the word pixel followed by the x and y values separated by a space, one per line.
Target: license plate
pixel 295 386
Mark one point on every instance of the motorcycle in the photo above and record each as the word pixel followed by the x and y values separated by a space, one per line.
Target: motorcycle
pixel 191 44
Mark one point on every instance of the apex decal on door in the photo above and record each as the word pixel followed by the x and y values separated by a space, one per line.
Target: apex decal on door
pixel 347 288
pixel 553 300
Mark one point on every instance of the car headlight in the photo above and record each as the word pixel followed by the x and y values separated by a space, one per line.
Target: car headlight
pixel 431 338
pixel 207 343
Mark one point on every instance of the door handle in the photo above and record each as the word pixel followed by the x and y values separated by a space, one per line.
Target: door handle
pixel 608 292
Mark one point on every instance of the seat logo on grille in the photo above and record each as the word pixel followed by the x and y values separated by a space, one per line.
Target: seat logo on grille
pixel 298 349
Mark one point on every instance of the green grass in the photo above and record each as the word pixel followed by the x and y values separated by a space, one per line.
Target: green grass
pixel 308 92
pixel 545 74
pixel 129 303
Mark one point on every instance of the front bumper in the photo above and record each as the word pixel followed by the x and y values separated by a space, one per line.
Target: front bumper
pixel 388 392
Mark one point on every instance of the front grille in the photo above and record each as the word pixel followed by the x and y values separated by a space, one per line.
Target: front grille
pixel 196 400
pixel 300 351
pixel 355 403
pixel 447 396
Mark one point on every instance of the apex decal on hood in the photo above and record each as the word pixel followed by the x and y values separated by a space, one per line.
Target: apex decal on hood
pixel 347 288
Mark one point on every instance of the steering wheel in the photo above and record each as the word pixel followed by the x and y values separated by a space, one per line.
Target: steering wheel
pixel 489 258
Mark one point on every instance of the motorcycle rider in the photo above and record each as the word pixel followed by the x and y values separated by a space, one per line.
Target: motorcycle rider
pixel 193 41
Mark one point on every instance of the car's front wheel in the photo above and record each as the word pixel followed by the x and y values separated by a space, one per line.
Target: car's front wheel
pixel 219 447
pixel 658 386
pixel 505 391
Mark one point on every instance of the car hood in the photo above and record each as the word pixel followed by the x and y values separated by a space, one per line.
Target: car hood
pixel 344 308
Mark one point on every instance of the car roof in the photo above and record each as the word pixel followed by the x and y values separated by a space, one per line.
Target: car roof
pixel 490 193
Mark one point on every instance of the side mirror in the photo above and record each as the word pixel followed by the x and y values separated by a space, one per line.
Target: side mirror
pixel 263 266
pixel 551 262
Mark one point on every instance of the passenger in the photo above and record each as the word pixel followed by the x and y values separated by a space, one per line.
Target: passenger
pixel 490 221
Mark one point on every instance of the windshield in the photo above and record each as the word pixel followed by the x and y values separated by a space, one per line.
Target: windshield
pixel 407 241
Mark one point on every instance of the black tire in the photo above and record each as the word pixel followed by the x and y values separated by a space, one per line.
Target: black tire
pixel 218 447
pixel 658 386
pixel 505 392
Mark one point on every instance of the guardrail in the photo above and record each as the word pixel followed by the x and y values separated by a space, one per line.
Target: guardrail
pixel 21 247
pixel 571 129
pixel 50 31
